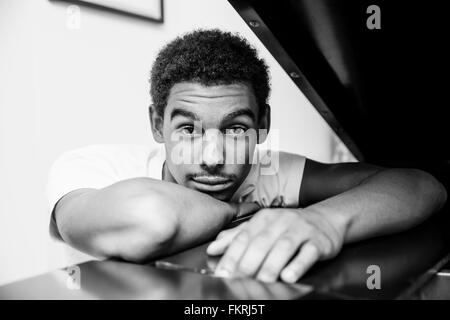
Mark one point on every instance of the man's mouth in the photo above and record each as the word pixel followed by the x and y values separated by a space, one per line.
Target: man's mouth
pixel 211 183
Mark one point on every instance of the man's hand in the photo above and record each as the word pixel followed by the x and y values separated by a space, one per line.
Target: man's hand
pixel 278 243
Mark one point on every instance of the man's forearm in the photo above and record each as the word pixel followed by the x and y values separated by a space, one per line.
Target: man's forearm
pixel 140 219
pixel 388 201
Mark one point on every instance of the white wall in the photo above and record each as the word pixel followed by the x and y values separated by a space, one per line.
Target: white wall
pixel 62 88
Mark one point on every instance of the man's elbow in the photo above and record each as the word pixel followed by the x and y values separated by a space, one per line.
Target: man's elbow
pixel 432 191
pixel 149 235
pixel 148 243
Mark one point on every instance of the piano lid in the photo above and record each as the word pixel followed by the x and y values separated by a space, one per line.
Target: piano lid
pixel 383 91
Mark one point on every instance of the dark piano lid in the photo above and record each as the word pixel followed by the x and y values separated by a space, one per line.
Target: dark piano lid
pixel 383 91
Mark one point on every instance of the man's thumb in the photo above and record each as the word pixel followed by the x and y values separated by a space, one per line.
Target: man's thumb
pixel 245 208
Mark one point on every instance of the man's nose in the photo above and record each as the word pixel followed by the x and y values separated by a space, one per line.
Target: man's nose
pixel 212 151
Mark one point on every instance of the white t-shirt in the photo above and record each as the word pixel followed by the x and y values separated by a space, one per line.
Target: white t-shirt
pixel 274 179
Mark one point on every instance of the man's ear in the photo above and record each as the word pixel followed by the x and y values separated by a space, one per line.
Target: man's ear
pixel 264 124
pixel 156 122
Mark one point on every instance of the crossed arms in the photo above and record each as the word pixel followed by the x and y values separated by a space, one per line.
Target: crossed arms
pixel 141 219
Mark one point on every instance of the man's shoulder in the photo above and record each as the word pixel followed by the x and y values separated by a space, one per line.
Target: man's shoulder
pixel 112 152
pixel 275 180
pixel 107 149
pixel 121 160
pixel 272 162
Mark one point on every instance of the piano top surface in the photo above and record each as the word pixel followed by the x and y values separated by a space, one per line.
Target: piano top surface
pixel 406 260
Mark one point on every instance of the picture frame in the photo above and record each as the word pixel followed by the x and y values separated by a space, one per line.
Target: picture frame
pixel 148 10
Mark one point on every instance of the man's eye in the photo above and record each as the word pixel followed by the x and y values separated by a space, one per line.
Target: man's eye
pixel 236 131
pixel 188 130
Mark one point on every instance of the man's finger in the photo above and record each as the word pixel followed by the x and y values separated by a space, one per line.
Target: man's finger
pixel 223 240
pixel 308 255
pixel 228 263
pixel 261 246
pixel 280 254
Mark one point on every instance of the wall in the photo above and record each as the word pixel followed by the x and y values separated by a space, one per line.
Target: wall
pixel 62 88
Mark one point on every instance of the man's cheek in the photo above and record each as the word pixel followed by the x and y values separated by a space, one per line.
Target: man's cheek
pixel 185 151
pixel 239 151
pixel 234 152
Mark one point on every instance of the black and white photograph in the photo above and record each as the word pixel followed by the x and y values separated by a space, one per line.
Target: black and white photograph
pixel 235 151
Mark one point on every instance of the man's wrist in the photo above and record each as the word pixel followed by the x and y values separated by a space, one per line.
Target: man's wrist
pixel 337 222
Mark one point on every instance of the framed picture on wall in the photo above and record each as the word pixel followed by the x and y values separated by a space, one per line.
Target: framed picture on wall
pixel 150 10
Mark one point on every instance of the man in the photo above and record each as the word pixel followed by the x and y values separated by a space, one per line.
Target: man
pixel 210 93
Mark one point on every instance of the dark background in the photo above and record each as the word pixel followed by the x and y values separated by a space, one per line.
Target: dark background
pixel 387 88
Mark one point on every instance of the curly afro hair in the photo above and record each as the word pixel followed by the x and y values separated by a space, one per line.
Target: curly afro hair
pixel 210 57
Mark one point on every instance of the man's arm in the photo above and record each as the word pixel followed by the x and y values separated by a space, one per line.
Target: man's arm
pixel 344 203
pixel 140 219
pixel 371 200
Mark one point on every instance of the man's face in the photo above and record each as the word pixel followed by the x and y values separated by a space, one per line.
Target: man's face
pixel 209 134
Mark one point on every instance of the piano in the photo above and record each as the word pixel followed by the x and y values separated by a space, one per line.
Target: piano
pixel 382 88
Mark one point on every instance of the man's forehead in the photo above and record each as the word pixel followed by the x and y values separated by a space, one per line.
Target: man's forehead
pixel 194 91
pixel 215 102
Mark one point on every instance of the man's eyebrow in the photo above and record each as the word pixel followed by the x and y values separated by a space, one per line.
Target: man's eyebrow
pixel 241 112
pixel 183 113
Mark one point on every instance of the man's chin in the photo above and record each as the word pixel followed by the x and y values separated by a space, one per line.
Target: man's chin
pixel 221 195
pixel 217 195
